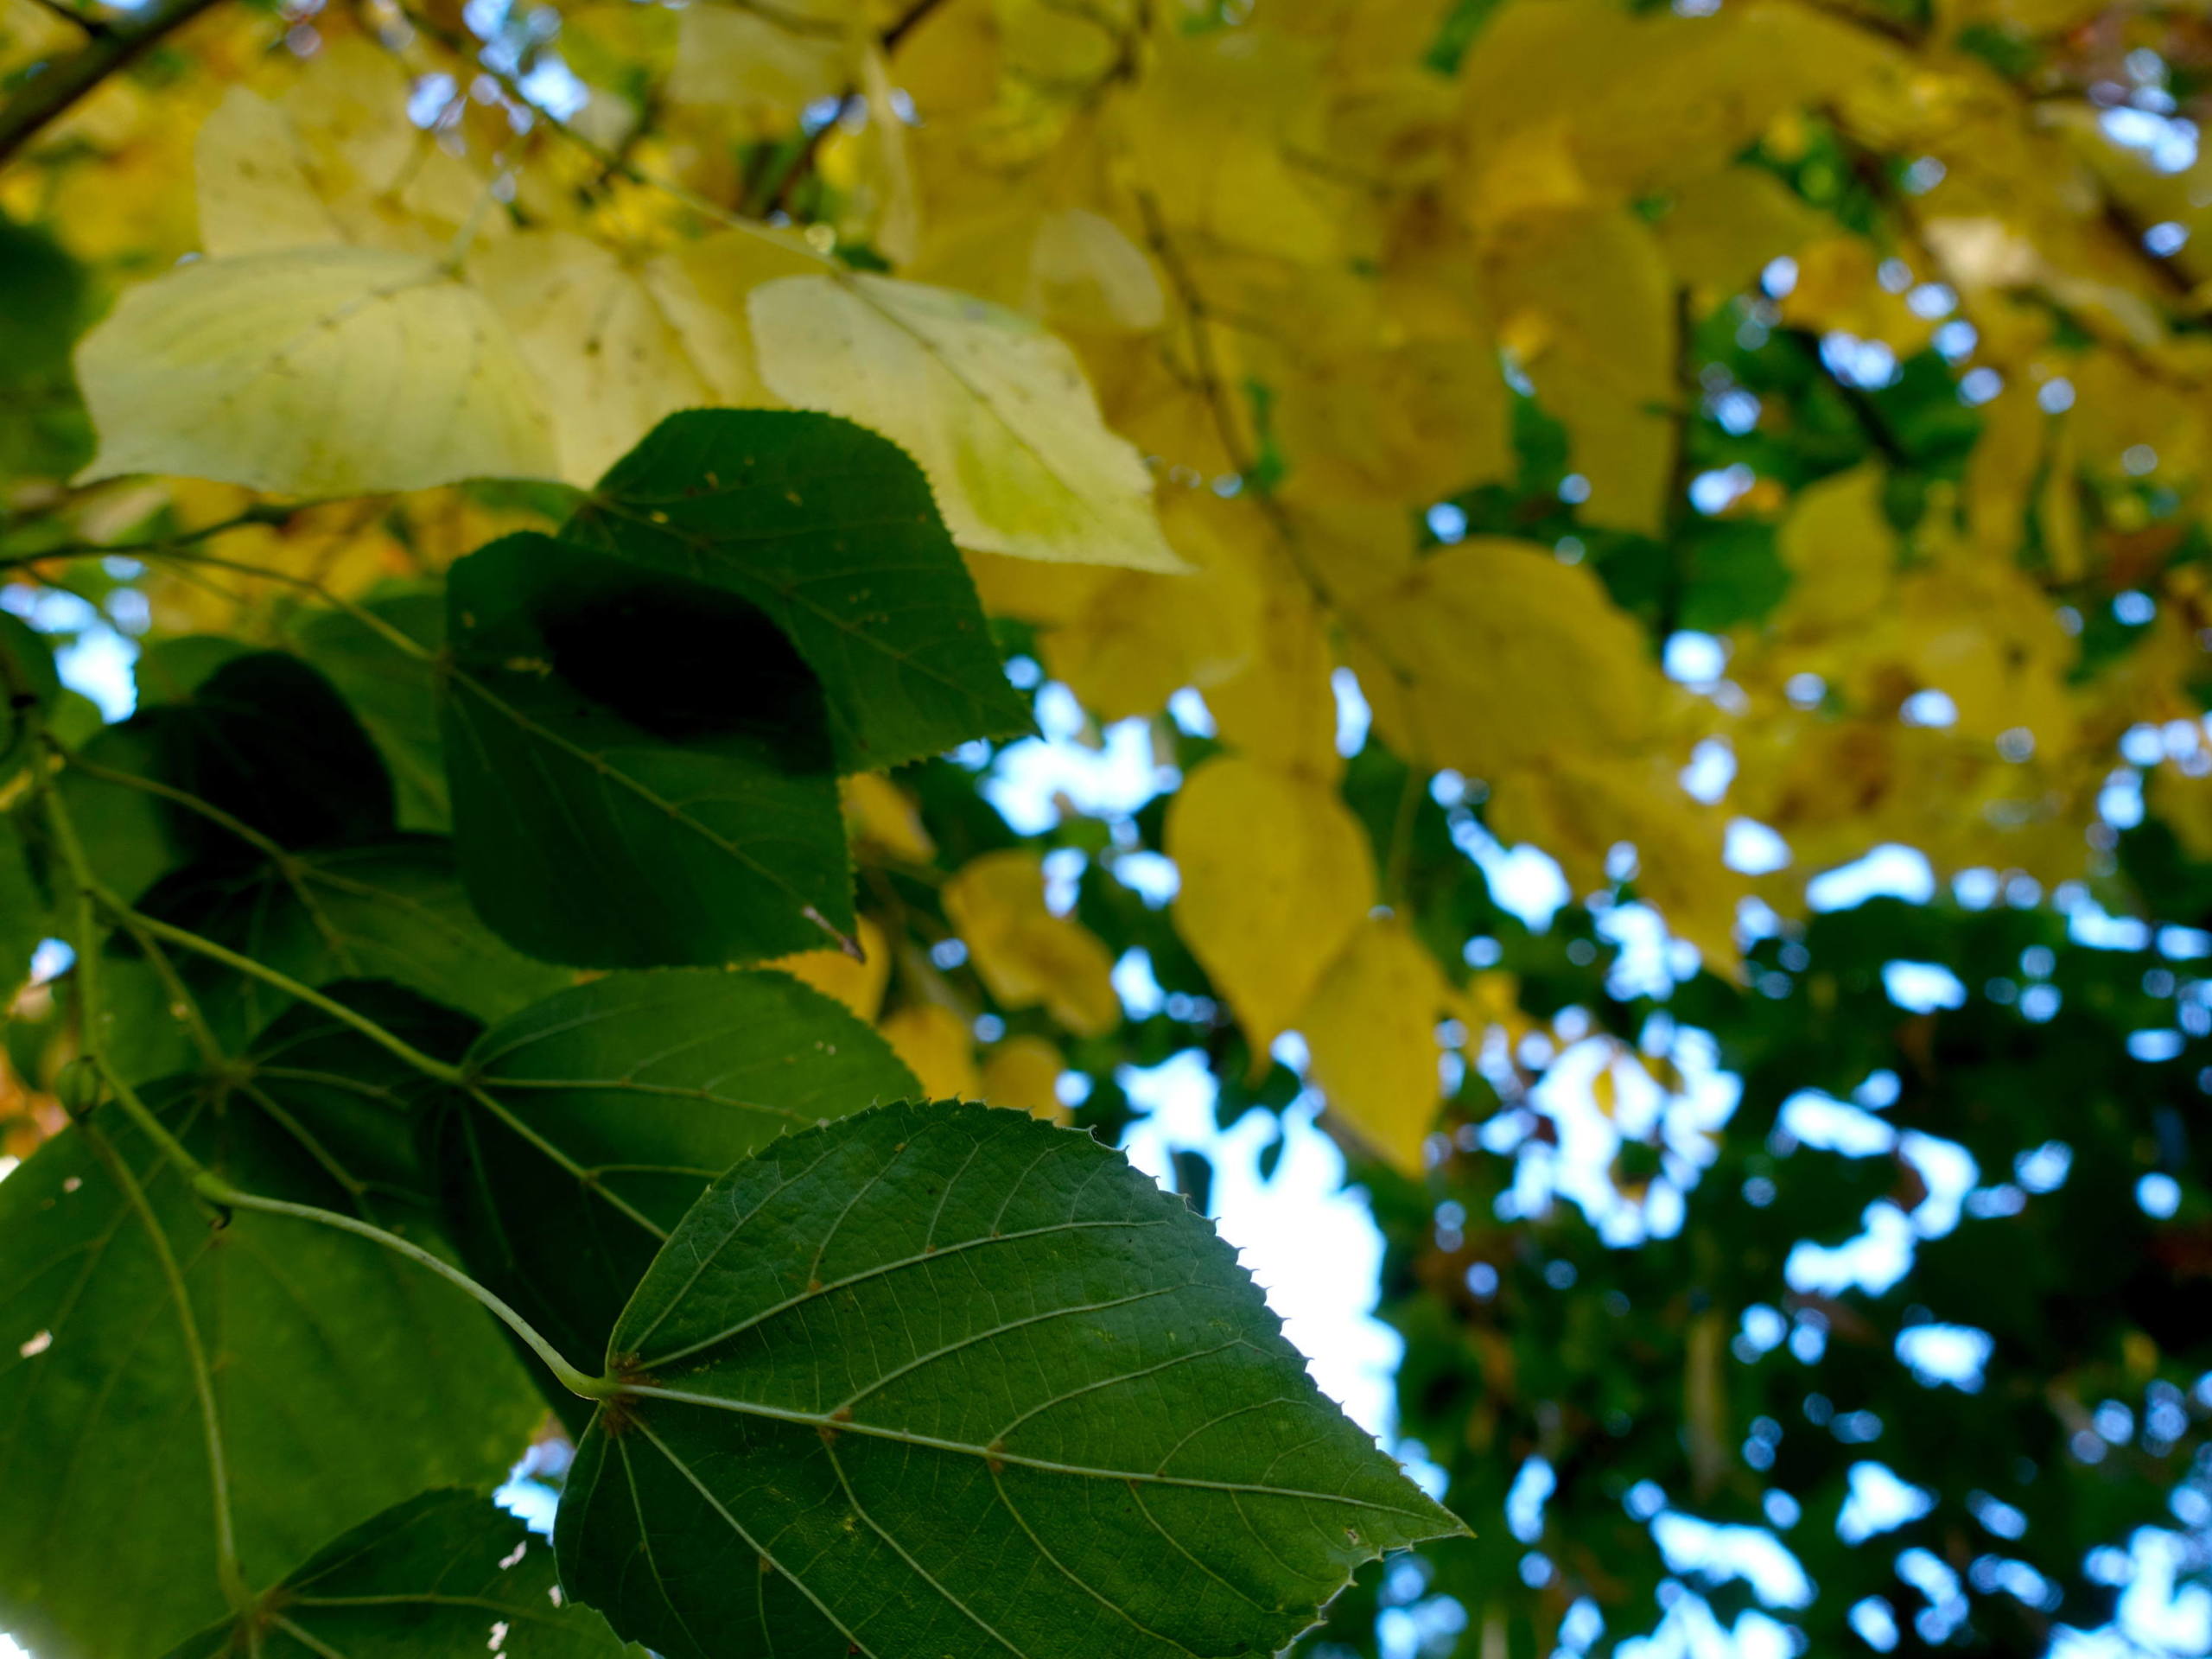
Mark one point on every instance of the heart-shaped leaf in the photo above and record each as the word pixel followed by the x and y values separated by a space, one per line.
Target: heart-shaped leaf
pixel 950 1382
pixel 599 1116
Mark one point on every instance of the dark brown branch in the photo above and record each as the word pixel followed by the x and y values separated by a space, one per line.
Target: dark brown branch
pixel 779 197
pixel 56 88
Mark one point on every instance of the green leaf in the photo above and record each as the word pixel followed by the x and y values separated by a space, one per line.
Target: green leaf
pixel 393 911
pixel 343 1378
pixel 831 531
pixel 606 1110
pixel 23 918
pixel 359 1108
pixel 261 737
pixel 392 692
pixel 640 765
pixel 29 657
pixel 948 1381
pixel 170 671
pixel 443 1572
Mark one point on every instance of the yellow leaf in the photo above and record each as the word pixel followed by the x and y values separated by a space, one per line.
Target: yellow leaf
pixel 1577 808
pixel 1069 266
pixel 1719 231
pixel 612 362
pixel 1207 132
pixel 29 32
pixel 1371 1031
pixel 744 58
pixel 2001 470
pixel 1139 638
pixel 701 288
pixel 332 161
pixel 880 816
pixel 1840 550
pixel 994 409
pixel 1599 292
pixel 858 984
pixel 1467 660
pixel 1023 1073
pixel 2060 510
pixel 1279 707
pixel 320 372
pixel 1026 954
pixel 1084 273
pixel 1276 873
pixel 937 1048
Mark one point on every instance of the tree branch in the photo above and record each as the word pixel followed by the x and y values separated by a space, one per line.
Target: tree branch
pixel 57 87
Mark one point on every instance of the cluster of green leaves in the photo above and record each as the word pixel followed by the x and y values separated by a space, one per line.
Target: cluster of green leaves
pixel 859 1376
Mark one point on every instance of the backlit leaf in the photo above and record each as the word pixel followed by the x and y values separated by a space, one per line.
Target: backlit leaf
pixel 1276 874
pixel 1371 1029
pixel 315 372
pixel 948 1381
pixel 996 411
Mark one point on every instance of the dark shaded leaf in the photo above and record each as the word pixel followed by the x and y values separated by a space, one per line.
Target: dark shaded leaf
pixel 443 1572
pixel 640 766
pixel 391 911
pixel 392 692
pixel 831 531
pixel 606 1110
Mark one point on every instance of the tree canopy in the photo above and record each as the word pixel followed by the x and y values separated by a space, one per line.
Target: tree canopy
pixel 1610 597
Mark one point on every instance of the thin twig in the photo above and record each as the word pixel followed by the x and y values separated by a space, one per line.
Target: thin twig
pixel 57 86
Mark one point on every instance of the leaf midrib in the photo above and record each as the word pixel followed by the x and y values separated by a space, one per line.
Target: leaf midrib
pixel 825 1423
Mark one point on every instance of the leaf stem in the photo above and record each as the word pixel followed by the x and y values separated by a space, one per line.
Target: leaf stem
pixel 570 1377
pixel 231 959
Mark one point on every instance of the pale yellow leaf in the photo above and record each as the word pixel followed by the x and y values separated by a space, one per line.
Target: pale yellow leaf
pixel 1023 1073
pixel 1371 1031
pixel 894 203
pixel 1085 273
pixel 857 984
pixel 1138 638
pixel 1493 653
pixel 320 372
pixel 332 160
pixel 937 1047
pixel 700 289
pixel 995 409
pixel 612 362
pixel 1276 873
pixel 1068 266
pixel 1024 954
